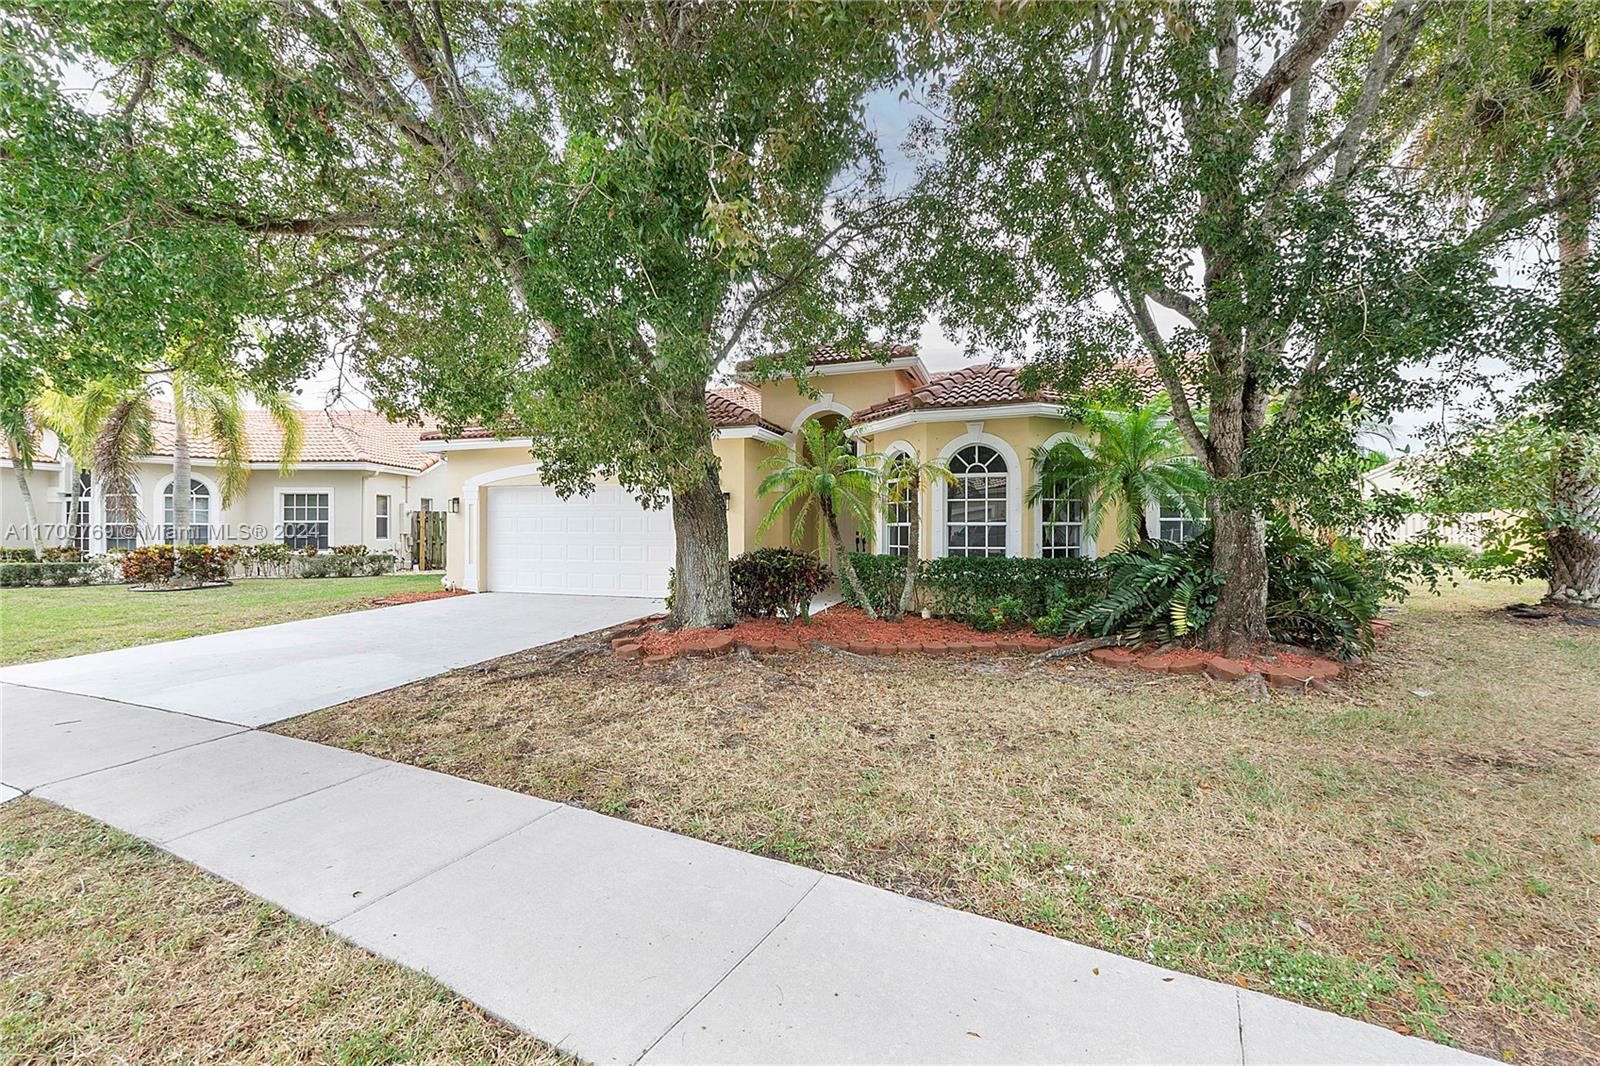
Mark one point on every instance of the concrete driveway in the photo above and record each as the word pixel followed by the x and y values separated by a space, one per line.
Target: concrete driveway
pixel 256 676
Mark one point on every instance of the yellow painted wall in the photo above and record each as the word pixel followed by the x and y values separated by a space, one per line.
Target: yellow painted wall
pixel 782 402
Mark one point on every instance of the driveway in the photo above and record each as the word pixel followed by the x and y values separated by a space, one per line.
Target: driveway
pixel 256 676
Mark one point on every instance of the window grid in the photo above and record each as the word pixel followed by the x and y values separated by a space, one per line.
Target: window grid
pixel 1062 533
pixel 975 506
pixel 199 513
pixel 123 535
pixel 77 511
pixel 1175 525
pixel 381 525
pixel 305 519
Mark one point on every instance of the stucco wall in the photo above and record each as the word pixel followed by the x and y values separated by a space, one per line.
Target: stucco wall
pixel 42 481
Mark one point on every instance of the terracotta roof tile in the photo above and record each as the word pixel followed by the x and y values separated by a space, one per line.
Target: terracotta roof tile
pixel 987 385
pixel 329 437
pixel 831 354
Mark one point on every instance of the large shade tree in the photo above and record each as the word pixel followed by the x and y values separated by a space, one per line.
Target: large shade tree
pixel 1205 182
pixel 555 218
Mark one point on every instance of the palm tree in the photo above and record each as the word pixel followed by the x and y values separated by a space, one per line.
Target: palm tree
pixel 108 427
pixel 19 432
pixel 903 479
pixel 822 473
pixel 1135 458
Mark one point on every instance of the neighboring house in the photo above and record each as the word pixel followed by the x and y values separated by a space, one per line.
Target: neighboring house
pixel 1393 477
pixel 358 479
pixel 509 532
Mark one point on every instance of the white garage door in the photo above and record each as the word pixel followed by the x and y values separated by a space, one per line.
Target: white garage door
pixel 603 544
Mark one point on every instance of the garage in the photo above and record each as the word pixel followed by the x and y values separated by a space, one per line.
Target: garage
pixel 603 544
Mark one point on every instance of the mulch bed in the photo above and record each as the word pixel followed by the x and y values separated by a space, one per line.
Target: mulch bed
pixel 418 597
pixel 848 629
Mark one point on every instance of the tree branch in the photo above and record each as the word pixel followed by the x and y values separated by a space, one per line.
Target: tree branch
pixel 297 227
pixel 1293 64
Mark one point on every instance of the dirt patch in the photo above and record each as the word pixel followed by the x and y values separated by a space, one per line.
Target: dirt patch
pixel 1362 851
pixel 841 627
pixel 419 597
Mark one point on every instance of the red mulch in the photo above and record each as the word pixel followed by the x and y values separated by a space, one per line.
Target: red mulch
pixel 418 597
pixel 837 626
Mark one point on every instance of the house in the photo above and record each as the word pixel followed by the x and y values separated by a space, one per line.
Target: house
pixel 508 532
pixel 358 478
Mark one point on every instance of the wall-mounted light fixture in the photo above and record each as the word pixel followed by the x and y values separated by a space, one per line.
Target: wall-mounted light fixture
pixel 455 505
pixel 727 500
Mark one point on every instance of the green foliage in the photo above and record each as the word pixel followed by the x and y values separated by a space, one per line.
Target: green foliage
pixel 330 565
pixel 18 575
pixel 18 555
pixel 1005 612
pixel 153 564
pixel 966 588
pixel 66 553
pixel 1130 461
pixel 776 581
pixel 350 549
pixel 1319 595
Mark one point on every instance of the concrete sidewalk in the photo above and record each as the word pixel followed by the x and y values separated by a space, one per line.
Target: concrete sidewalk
pixel 268 673
pixel 621 943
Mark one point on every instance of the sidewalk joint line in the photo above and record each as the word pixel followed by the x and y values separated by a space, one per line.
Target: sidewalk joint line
pixel 729 971
pixel 125 703
pixel 140 759
pixel 449 862
pixel 277 803
pixel 1238 1007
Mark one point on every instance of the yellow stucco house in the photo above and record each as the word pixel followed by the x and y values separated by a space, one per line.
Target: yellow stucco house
pixel 508 532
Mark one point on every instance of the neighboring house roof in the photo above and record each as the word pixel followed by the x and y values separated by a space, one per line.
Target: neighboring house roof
pixel 990 385
pixel 344 436
pixel 729 408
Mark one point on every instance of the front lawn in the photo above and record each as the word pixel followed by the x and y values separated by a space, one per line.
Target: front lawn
pixel 1420 848
pixel 118 952
pixel 50 623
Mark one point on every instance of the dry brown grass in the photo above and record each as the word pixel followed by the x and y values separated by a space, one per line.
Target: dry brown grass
pixel 116 952
pixel 1428 863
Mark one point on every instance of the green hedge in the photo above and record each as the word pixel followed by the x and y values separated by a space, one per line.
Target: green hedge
pixel 22 575
pixel 965 587
pixel 347 565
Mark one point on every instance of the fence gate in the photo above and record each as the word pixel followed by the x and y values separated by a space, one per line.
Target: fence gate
pixel 427 540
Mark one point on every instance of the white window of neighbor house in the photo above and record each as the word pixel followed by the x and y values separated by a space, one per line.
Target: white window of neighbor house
pixel 427 503
pixel 382 511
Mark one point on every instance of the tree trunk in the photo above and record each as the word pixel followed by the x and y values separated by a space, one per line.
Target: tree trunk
pixel 182 504
pixel 908 592
pixel 27 505
pixel 1239 556
pixel 1574 547
pixel 847 569
pixel 702 594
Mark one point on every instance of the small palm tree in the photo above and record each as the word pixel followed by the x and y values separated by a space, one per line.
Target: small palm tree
pixel 1136 458
pixel 823 474
pixel 19 431
pixel 904 476
pixel 108 426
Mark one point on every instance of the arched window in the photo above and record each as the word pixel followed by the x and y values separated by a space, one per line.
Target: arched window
pixel 199 513
pixel 1061 528
pixel 975 506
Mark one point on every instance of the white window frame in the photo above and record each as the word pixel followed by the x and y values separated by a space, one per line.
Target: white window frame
pixel 1088 548
pixel 297 490
pixel 382 507
pixel 894 451
pixel 1152 521
pixel 105 521
pixel 941 490
pixel 213 506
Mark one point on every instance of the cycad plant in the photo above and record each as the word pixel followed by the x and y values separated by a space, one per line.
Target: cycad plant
pixel 822 475
pixel 903 478
pixel 107 427
pixel 1131 460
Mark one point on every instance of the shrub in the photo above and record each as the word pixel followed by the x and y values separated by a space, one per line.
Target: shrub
pixel 266 557
pixel 1007 611
pixel 347 565
pixel 22 575
pixel 967 587
pixel 63 554
pixel 18 555
pixel 153 563
pixel 350 549
pixel 774 581
pixel 1153 591
pixel 882 577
